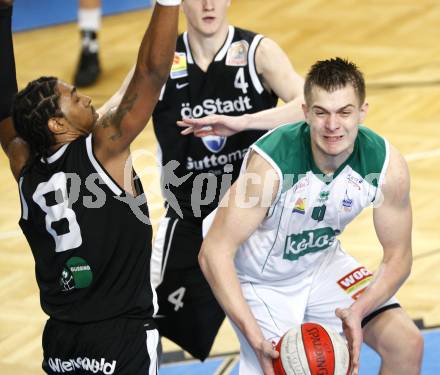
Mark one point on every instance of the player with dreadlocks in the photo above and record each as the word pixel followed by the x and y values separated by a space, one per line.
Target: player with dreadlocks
pixel 42 91
pixel 92 253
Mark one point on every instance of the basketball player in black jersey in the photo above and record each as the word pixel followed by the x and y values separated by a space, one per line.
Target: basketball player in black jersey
pixel 92 253
pixel 221 69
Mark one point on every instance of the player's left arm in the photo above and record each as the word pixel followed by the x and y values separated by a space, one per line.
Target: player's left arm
pixel 393 225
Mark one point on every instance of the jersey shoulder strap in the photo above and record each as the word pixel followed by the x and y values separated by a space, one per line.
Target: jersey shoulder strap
pixel 371 156
pixel 248 42
pixel 285 149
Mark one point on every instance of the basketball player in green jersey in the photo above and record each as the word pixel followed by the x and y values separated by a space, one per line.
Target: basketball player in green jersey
pixel 281 262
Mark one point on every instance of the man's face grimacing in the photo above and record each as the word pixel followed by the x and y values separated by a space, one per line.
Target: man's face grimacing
pixel 206 16
pixel 334 119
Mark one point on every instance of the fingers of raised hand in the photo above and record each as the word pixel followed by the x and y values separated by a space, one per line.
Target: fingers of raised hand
pixel 187 131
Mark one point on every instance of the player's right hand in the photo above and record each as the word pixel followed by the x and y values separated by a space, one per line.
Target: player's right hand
pixel 213 125
pixel 266 353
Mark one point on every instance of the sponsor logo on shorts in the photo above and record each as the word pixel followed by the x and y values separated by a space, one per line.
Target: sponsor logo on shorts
pixel 237 54
pixel 311 241
pixel 95 366
pixel 355 282
pixel 76 274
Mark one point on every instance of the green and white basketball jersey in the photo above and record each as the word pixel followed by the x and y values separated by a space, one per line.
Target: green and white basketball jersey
pixel 311 209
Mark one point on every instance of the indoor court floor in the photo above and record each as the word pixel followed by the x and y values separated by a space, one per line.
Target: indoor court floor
pixel 396 45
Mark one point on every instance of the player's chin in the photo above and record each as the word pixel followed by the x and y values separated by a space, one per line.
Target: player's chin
pixel 210 29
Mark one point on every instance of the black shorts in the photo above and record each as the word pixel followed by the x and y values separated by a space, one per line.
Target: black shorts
pixel 189 314
pixel 117 346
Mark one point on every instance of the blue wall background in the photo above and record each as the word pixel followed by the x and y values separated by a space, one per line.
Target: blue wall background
pixel 31 14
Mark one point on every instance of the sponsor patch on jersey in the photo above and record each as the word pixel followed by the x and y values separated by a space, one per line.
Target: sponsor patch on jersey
pixel 237 54
pixel 300 206
pixel 76 274
pixel 310 241
pixel 355 181
pixel 179 69
pixel 214 143
pixel 301 185
pixel 355 282
pixel 347 203
pixel 323 197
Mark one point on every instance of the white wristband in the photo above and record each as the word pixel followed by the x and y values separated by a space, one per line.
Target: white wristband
pixel 169 3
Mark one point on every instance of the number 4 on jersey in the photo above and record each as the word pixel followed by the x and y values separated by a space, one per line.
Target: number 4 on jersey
pixel 240 82
pixel 176 298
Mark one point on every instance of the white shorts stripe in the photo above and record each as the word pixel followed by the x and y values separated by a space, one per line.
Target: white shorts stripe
pixel 24 206
pixel 160 245
pixel 152 342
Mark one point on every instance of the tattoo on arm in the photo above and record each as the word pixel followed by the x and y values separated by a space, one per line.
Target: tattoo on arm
pixel 113 118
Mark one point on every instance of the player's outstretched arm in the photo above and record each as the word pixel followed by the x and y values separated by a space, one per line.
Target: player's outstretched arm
pixel 118 128
pixel 116 98
pixel 393 224
pixel 13 146
pixel 278 76
pixel 240 212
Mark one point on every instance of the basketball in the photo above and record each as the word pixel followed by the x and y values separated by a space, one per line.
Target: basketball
pixel 312 349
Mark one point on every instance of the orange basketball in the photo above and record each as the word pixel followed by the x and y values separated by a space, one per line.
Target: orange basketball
pixel 312 349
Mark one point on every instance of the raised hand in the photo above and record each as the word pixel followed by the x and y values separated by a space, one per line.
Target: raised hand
pixel 213 125
pixel 351 324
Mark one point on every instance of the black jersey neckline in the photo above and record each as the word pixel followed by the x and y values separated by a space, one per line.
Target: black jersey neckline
pixel 219 55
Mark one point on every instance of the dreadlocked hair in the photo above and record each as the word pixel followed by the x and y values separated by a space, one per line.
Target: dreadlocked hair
pixel 334 74
pixel 32 108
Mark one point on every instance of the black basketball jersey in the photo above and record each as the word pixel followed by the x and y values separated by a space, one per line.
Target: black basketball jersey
pixel 91 247
pixel 230 86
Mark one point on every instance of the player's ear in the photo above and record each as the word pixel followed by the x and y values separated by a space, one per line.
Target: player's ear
pixel 57 125
pixel 363 112
pixel 305 109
